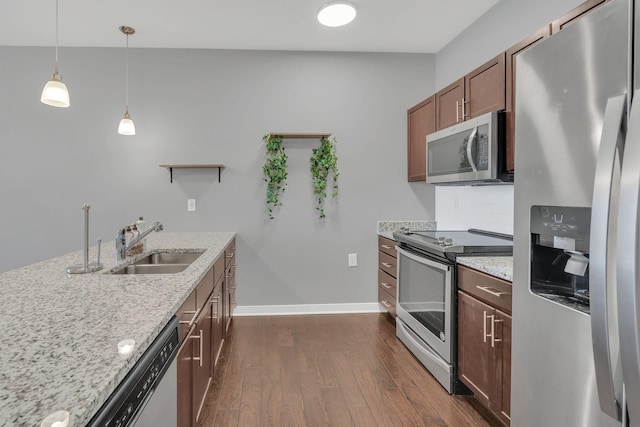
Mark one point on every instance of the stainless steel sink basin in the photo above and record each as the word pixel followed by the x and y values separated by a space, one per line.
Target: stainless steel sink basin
pixel 161 263
pixel 152 269
pixel 169 258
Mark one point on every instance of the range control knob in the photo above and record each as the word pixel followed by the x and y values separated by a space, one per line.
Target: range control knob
pixel 441 240
pixel 448 242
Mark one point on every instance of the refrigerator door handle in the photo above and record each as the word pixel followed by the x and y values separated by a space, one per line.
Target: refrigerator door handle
pixel 628 279
pixel 599 256
pixel 473 135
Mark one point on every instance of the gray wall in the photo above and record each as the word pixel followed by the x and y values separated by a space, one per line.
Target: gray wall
pixel 202 106
pixel 502 26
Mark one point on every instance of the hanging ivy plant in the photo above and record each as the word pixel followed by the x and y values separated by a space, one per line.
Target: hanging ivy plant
pixel 324 162
pixel 275 171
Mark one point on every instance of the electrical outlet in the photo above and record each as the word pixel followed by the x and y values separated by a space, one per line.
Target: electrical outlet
pixel 191 205
pixel 353 260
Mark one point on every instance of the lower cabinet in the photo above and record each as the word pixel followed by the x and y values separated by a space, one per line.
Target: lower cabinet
pixel 484 339
pixel 203 323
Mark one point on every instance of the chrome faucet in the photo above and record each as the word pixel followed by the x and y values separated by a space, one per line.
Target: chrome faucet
pixel 121 242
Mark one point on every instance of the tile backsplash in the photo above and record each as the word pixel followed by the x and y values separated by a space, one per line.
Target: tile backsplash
pixel 485 207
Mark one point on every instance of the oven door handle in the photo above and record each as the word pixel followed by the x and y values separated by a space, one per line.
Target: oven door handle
pixel 422 260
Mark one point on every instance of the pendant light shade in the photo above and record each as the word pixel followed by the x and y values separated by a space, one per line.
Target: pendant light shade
pixel 126 126
pixel 55 92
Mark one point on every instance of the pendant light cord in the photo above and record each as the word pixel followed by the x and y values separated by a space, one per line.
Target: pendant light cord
pixel 126 78
pixel 56 37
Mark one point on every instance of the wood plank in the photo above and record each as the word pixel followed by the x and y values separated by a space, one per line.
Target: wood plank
pixel 301 135
pixel 251 402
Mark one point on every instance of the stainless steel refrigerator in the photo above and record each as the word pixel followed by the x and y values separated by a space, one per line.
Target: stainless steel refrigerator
pixel 576 282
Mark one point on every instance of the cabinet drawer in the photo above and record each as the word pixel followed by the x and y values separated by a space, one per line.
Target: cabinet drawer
pixel 387 264
pixel 387 246
pixel 186 314
pixel 388 301
pixel 485 287
pixel 387 282
pixel 204 289
pixel 218 269
pixel 229 254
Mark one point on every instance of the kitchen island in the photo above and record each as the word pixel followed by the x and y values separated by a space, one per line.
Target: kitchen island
pixel 60 332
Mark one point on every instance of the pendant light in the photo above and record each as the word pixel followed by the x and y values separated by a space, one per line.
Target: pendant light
pixel 126 126
pixel 55 92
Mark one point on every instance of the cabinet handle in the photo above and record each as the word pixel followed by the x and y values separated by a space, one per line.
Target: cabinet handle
pixel 491 291
pixel 216 300
pixel 193 319
pixel 198 337
pixel 457 109
pixel 464 114
pixel 386 285
pixel 386 304
pixel 230 255
pixel 493 334
pixel 386 246
pixel 484 326
pixel 386 264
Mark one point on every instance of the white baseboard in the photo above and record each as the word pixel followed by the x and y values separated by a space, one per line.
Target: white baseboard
pixel 283 310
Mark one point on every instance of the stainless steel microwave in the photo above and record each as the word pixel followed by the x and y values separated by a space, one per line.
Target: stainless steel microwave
pixel 472 152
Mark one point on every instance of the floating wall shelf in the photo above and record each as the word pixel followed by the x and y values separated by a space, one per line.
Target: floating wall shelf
pixel 301 135
pixel 172 167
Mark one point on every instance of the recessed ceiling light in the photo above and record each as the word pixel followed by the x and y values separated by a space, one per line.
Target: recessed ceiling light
pixel 335 14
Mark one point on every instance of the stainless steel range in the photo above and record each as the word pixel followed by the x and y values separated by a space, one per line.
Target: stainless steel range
pixel 426 296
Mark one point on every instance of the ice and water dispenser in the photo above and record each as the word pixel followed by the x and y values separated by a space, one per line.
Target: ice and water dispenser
pixel 560 254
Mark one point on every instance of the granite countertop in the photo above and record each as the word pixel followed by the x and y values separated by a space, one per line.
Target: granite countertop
pixel 499 266
pixel 60 332
pixel 386 228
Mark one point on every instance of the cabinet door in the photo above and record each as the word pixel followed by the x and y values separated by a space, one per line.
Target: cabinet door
pixel 502 402
pixel 201 336
pixel 217 324
pixel 449 104
pixel 475 358
pixel 184 360
pixel 512 53
pixel 421 121
pixel 484 88
pixel 571 16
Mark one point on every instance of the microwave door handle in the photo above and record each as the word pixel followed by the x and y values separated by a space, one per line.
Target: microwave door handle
pixel 472 137
pixel 627 268
pixel 611 142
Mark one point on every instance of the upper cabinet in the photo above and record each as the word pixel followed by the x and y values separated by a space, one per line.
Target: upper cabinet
pixel 449 107
pixel 571 16
pixel 484 88
pixel 511 55
pixel 479 92
pixel 421 121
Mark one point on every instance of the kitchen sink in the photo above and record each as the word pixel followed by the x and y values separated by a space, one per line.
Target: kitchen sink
pixel 169 258
pixel 160 263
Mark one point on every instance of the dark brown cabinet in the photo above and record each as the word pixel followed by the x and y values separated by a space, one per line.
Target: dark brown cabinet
pixel 484 88
pixel 201 336
pixel 421 121
pixel 575 13
pixel 479 92
pixel 184 366
pixel 484 339
pixel 511 55
pixel 229 289
pixel 387 273
pixel 449 104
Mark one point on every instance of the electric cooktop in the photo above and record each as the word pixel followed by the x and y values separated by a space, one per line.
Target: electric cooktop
pixel 456 242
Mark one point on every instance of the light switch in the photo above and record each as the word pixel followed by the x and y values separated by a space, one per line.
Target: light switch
pixel 353 260
pixel 191 205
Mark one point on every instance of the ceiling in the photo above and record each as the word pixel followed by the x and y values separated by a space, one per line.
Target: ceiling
pixel 420 26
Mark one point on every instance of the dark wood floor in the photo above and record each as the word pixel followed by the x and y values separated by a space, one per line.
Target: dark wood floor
pixel 338 370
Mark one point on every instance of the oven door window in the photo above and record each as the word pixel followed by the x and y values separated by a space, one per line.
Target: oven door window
pixel 423 293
